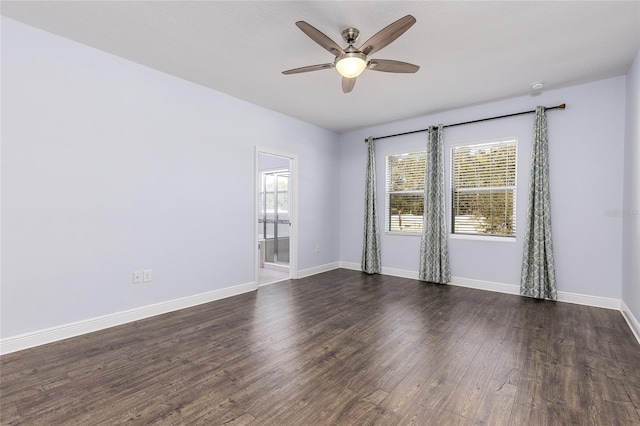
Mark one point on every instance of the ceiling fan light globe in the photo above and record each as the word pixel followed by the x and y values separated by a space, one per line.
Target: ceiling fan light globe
pixel 351 65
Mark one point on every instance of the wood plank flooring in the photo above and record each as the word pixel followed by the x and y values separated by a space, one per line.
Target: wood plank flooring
pixel 339 348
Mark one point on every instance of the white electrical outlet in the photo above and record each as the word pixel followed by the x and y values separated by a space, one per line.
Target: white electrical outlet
pixel 317 248
pixel 147 275
pixel 137 277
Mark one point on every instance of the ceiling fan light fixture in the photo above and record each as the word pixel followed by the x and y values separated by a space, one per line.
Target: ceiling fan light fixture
pixel 351 64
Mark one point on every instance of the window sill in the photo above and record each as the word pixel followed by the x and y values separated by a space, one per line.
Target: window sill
pixel 403 234
pixel 482 238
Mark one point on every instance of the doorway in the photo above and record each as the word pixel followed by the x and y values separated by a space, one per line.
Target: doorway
pixel 275 236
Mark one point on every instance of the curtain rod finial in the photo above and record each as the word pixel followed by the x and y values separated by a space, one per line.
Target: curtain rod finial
pixel 562 106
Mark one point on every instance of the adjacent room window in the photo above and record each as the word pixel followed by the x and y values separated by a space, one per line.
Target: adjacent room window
pixel 405 192
pixel 483 186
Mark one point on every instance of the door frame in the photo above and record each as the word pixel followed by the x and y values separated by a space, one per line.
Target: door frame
pixel 293 209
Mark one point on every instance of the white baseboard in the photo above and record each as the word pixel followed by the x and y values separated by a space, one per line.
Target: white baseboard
pixel 485 285
pixel 53 334
pixel 350 265
pixel 318 269
pixel 563 296
pixel 402 273
pixel 41 337
pixel 633 322
pixel 595 301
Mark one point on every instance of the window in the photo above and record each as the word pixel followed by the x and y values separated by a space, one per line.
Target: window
pixel 405 192
pixel 483 186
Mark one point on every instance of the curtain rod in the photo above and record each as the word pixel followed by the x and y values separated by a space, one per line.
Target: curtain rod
pixel 561 106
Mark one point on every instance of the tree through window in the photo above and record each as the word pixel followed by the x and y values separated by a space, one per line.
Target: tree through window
pixel 405 192
pixel 483 186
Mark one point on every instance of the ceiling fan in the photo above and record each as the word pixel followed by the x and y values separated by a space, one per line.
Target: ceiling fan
pixel 351 62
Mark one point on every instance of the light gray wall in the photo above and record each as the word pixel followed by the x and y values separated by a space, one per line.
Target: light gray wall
pixel 271 162
pixel 586 154
pixel 631 207
pixel 110 167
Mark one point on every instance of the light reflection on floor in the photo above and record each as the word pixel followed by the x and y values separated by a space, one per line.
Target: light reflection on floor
pixel 270 276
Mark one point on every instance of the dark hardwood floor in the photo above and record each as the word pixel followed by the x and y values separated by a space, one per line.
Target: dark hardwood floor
pixel 339 348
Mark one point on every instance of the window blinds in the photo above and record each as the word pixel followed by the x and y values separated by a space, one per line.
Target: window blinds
pixel 483 183
pixel 405 192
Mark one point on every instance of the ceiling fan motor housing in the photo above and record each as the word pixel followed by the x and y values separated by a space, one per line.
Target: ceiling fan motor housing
pixel 350 35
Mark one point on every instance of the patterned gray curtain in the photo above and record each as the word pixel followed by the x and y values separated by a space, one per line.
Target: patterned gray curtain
pixel 434 254
pixel 538 273
pixel 371 246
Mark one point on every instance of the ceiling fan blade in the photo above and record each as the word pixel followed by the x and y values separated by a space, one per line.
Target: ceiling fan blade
pixel 320 38
pixel 309 68
pixel 347 84
pixel 387 35
pixel 387 65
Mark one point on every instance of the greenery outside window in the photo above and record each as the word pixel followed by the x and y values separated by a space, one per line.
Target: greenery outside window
pixel 483 186
pixel 405 192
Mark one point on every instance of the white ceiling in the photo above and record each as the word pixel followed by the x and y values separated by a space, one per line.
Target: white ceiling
pixel 469 52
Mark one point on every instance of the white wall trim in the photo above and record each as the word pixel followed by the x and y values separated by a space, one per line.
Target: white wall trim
pixel 53 334
pixel 633 322
pixel 579 299
pixel 350 265
pixel 401 273
pixel 563 296
pixel 583 299
pixel 485 285
pixel 318 269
